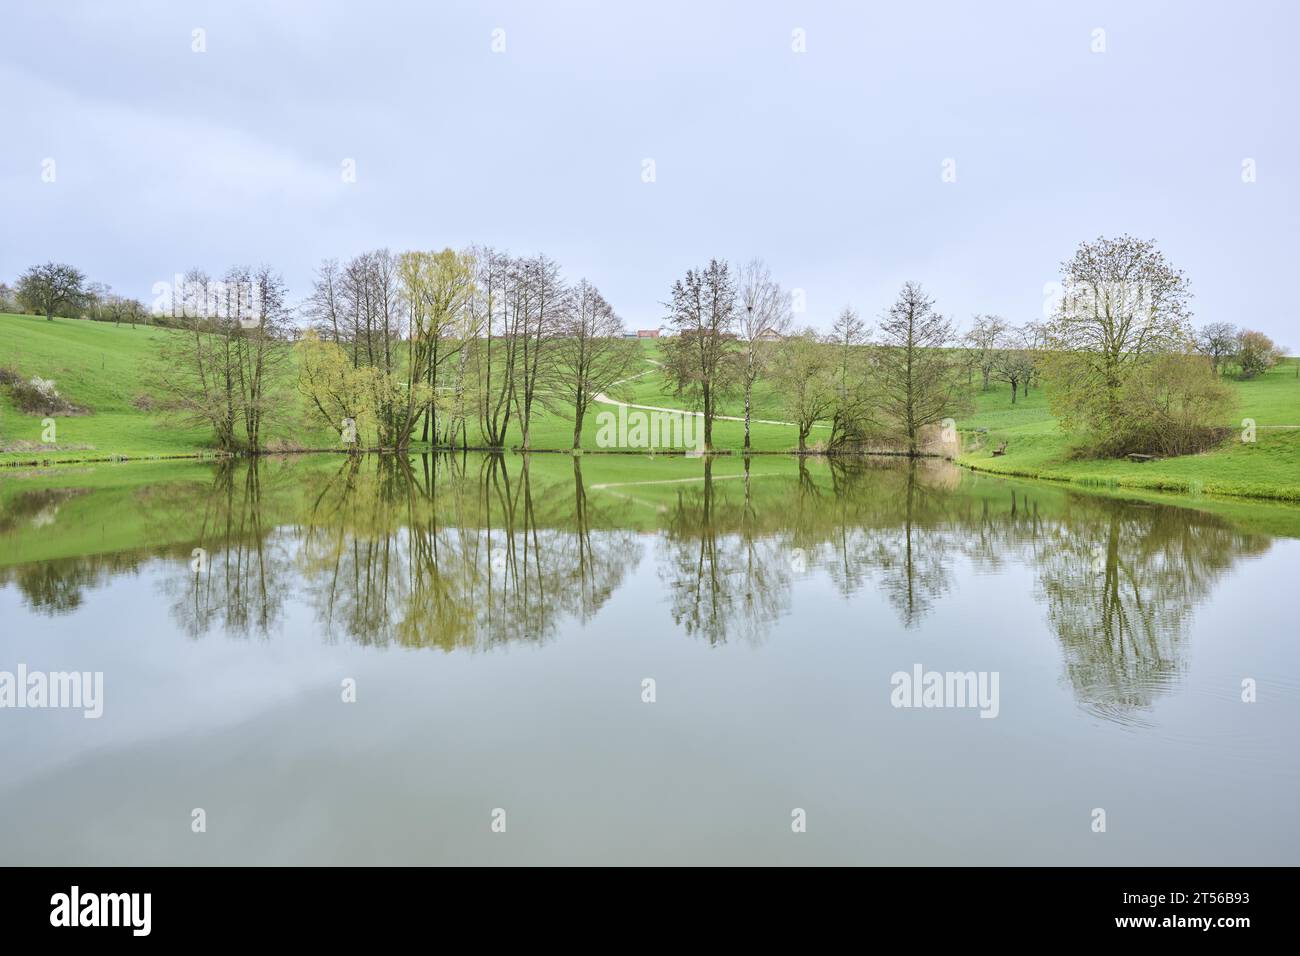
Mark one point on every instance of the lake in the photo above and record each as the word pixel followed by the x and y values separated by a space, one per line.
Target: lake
pixel 467 659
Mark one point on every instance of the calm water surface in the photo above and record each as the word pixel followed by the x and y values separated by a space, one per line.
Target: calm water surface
pixel 500 622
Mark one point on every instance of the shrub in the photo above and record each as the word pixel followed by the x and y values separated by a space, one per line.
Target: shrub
pixel 37 396
pixel 1174 405
pixel 1256 353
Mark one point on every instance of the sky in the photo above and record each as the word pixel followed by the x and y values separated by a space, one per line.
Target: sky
pixel 853 146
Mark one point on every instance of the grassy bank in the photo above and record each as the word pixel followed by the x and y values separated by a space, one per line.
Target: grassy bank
pixel 1269 467
pixel 104 368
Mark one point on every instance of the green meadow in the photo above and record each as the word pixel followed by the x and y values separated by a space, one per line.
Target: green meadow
pixel 105 368
pixel 1268 467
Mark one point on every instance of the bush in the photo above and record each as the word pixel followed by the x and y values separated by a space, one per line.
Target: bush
pixel 37 396
pixel 1256 353
pixel 1173 405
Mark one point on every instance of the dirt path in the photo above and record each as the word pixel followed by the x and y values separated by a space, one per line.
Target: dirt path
pixel 604 399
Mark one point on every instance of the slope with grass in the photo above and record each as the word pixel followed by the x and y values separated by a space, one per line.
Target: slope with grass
pixel 104 368
pixel 1268 467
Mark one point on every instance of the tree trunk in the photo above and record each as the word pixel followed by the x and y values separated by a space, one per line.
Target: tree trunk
pixel 708 418
pixel 748 387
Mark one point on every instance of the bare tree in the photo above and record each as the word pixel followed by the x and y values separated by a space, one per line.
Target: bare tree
pixel 324 305
pixel 764 316
pixel 1217 341
pixel 1013 361
pixel 916 376
pixel 540 297
pixel 852 415
pixel 369 308
pixel 983 343
pixel 225 368
pixel 590 354
pixel 261 347
pixel 494 310
pixel 848 333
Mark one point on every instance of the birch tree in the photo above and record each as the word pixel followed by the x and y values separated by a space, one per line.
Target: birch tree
pixel 764 316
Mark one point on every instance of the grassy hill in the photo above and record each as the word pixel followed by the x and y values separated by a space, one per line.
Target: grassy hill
pixel 1038 448
pixel 103 368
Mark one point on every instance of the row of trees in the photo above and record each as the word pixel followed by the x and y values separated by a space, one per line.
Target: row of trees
pixel 1002 352
pixel 1226 347
pixel 1126 371
pixel 732 328
pixel 464 347
pixel 884 390
pixel 56 288
pixel 447 341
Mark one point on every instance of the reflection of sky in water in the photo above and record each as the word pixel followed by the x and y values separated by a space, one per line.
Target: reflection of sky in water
pixel 772 685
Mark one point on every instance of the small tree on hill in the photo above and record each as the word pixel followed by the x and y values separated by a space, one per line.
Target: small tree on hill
pixel 1255 353
pixel 51 288
pixel 1217 341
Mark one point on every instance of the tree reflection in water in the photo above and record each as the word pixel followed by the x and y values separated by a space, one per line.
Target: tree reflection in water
pixel 471 551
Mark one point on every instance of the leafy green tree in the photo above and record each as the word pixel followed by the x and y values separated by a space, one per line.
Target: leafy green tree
pixel 805 374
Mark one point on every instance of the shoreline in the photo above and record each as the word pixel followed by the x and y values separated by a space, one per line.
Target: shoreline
pixel 1189 488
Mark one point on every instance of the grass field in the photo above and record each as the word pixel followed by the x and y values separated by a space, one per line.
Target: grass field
pixel 104 367
pixel 1037 448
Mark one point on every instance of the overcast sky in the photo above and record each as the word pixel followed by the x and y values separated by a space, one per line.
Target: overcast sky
pixel 828 163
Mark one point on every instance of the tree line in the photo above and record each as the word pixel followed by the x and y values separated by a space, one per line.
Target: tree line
pixel 463 348
pixel 56 288
pixel 457 347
